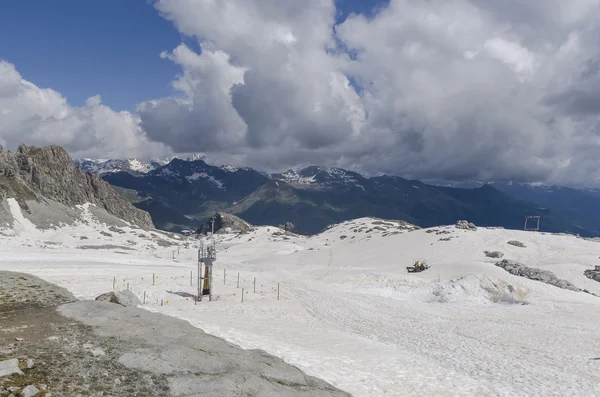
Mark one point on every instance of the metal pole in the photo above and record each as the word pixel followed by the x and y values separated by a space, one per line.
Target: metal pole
pixel 277 291
pixel 224 275
pixel 127 286
pixel 242 295
pixel 238 284
pixel 190 278
pixel 144 297
pixel 114 281
pixel 213 226
pixel 255 285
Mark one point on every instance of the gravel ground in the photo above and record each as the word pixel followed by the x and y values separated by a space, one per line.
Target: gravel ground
pixel 74 348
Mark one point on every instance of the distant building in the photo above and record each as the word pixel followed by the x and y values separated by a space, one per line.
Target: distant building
pixel 187 232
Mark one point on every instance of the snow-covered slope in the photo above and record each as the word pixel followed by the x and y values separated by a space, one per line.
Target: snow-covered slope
pixel 349 312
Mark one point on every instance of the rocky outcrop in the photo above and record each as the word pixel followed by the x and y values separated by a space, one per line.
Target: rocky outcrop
pixel 225 223
pixel 465 225
pixel 516 243
pixel 124 298
pixel 593 274
pixel 137 353
pixel 33 174
pixel 493 254
pixel 531 273
pixel 193 362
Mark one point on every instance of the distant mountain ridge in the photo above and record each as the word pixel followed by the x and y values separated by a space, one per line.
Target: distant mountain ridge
pixel 184 194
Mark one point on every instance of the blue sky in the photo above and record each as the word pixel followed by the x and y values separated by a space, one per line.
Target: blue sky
pixel 109 48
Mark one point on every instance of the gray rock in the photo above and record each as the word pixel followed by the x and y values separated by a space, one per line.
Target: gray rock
pixel 48 174
pixel 97 352
pixel 516 243
pixel 124 298
pixel 531 273
pixel 29 391
pixel 225 223
pixel 10 367
pixel 194 362
pixel 465 225
pixel 593 274
pixel 29 363
pixel 493 254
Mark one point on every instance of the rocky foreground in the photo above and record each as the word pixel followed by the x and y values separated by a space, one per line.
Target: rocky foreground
pixel 49 347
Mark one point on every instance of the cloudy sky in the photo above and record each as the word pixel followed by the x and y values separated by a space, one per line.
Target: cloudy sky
pixel 451 89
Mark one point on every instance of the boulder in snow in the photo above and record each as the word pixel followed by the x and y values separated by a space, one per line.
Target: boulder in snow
pixel 465 225
pixel 593 274
pixel 123 298
pixel 493 254
pixel 516 243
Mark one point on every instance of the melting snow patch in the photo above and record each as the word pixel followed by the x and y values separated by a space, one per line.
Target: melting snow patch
pixel 21 224
pixel 476 289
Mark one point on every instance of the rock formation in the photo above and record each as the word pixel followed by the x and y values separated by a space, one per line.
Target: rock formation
pixel 531 273
pixel 47 175
pixel 124 298
pixel 493 254
pixel 516 243
pixel 225 223
pixel 465 225
pixel 593 274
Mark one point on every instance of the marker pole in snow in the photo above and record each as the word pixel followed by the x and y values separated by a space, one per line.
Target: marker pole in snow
pixel 144 297
pixel 127 286
pixel 224 275
pixel 190 278
pixel 242 295
pixel 114 282
pixel 238 284
pixel 277 291
pixel 255 285
pixel 152 278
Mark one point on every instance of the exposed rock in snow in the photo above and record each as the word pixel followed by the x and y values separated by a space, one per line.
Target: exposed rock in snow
pixel 593 274
pixel 225 223
pixel 465 225
pixel 493 254
pixel 544 276
pixel 516 243
pixel 123 298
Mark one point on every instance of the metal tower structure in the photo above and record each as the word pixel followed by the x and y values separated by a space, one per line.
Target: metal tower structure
pixel 206 256
pixel 537 227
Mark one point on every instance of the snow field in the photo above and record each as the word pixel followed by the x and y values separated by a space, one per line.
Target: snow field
pixel 349 312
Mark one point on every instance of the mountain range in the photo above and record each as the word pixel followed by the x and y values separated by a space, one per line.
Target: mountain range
pixel 182 194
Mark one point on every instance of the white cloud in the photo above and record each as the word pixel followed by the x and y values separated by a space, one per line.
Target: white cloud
pixel 452 89
pixel 37 116
pixel 456 89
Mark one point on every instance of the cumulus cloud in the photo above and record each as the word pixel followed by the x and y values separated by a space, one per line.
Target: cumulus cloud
pixel 449 89
pixel 461 89
pixel 42 116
